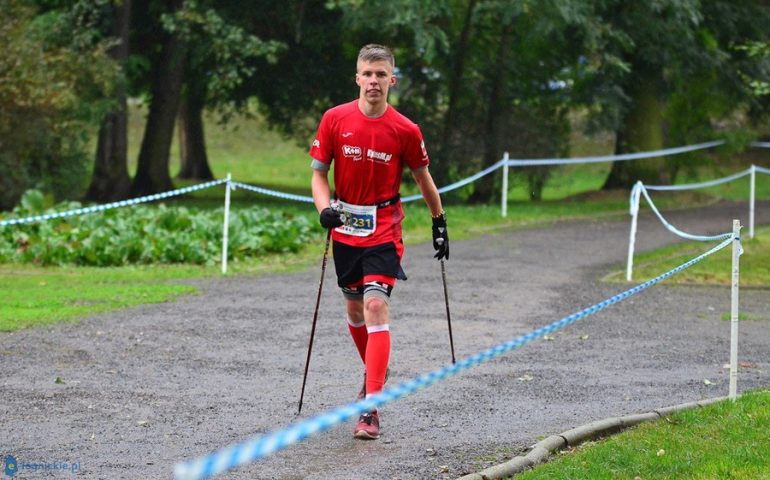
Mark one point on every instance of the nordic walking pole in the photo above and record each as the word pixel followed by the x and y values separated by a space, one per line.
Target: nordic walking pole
pixel 315 317
pixel 446 299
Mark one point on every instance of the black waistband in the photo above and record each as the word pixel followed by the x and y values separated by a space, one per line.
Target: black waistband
pixel 387 203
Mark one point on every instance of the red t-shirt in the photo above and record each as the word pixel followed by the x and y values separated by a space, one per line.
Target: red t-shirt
pixel 370 155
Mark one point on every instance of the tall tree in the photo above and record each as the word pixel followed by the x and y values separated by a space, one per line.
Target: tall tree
pixel 192 140
pixel 152 174
pixel 55 75
pixel 221 45
pixel 110 180
pixel 659 47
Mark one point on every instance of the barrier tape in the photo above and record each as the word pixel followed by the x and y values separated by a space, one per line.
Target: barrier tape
pixel 693 186
pixel 612 158
pixel 763 170
pixel 108 206
pixel 264 191
pixel 461 183
pixel 639 187
pixel 260 446
pixel 760 144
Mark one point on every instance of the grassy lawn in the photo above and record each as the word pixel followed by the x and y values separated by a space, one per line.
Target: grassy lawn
pixel 720 441
pixel 716 269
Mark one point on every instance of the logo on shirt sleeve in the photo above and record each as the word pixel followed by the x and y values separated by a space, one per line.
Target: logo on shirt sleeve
pixel 424 151
pixel 317 143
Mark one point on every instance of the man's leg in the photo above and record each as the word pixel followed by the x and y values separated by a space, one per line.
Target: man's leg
pixel 377 318
pixel 357 325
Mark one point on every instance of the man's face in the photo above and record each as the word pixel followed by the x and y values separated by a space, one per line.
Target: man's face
pixel 375 79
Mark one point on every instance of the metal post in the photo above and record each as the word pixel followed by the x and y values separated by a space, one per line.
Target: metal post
pixel 505 185
pixel 751 200
pixel 734 312
pixel 632 237
pixel 226 226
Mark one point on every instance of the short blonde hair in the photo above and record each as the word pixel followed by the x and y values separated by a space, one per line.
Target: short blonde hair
pixel 373 52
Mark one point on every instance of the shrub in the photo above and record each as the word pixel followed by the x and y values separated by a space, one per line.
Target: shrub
pixel 145 234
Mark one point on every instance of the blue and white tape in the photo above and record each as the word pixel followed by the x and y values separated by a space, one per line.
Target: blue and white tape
pixel 258 447
pixel 693 186
pixel 108 206
pixel 461 183
pixel 763 170
pixel 613 158
pixel 640 188
pixel 264 191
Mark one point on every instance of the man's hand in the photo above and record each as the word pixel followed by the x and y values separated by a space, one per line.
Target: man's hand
pixel 440 237
pixel 331 218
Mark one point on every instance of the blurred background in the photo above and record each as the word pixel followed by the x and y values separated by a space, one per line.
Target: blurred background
pixel 103 100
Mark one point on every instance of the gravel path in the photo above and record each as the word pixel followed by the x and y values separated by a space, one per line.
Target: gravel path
pixel 147 387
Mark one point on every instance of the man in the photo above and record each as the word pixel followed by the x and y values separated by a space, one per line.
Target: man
pixel 371 143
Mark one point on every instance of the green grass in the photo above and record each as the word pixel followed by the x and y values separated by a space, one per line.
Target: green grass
pixel 720 441
pixel 34 296
pixel 41 296
pixel 715 269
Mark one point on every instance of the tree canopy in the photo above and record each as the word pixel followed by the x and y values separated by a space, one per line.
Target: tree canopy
pixel 480 77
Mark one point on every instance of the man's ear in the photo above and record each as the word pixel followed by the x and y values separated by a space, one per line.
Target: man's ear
pixel 392 80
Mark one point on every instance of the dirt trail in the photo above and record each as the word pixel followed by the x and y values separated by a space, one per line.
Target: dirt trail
pixel 147 387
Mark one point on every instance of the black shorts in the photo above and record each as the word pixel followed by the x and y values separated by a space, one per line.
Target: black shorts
pixel 353 263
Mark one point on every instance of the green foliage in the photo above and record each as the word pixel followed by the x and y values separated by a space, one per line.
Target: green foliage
pixel 145 234
pixel 219 53
pixel 760 52
pixel 54 78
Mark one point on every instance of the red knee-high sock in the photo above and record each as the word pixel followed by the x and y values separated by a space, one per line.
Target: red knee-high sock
pixel 377 358
pixel 360 337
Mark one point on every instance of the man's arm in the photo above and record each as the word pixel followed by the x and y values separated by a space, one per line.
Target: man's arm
pixel 433 199
pixel 322 192
pixel 319 184
pixel 429 191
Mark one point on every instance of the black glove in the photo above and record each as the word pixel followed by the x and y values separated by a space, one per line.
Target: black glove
pixel 331 218
pixel 440 237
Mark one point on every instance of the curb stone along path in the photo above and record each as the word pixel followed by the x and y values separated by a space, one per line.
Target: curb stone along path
pixel 541 451
pixel 144 388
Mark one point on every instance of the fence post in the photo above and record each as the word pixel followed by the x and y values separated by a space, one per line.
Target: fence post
pixel 734 312
pixel 505 185
pixel 226 225
pixel 635 197
pixel 751 200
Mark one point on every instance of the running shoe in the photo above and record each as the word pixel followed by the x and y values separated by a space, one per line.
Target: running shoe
pixel 362 393
pixel 368 427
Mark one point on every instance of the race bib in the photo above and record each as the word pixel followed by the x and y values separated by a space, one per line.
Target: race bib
pixel 360 221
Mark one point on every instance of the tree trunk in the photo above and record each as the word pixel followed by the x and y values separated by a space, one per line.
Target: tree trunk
pixel 441 172
pixel 152 175
pixel 485 191
pixel 110 180
pixel 192 142
pixel 642 131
